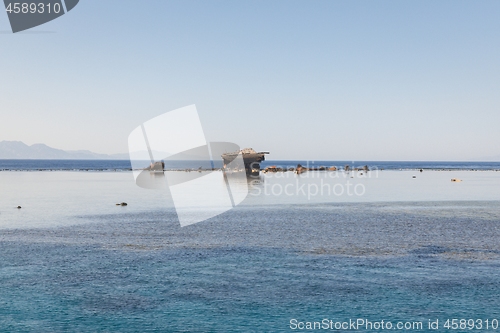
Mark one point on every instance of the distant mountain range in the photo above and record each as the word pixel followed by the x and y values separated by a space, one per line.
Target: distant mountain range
pixel 20 150
pixel 17 150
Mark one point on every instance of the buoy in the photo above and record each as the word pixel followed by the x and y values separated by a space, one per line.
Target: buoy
pixel 19 207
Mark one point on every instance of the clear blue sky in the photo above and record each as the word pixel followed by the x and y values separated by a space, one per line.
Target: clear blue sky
pixel 355 80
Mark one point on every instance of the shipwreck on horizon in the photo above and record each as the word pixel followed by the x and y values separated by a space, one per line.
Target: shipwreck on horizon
pixel 251 160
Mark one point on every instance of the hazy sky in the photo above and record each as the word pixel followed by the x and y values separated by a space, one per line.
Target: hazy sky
pixel 354 80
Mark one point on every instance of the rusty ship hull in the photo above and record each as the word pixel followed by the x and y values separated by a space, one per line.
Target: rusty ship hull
pixel 251 160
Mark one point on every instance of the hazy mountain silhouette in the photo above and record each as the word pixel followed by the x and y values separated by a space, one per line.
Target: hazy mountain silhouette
pixel 20 150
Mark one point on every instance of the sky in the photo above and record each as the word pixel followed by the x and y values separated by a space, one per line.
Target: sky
pixel 319 80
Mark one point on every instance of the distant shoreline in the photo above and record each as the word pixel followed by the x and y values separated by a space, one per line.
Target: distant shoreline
pixel 125 165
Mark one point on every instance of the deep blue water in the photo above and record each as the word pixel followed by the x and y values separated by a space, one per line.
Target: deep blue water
pixel 80 165
pixel 124 165
pixel 388 165
pixel 58 288
pixel 253 270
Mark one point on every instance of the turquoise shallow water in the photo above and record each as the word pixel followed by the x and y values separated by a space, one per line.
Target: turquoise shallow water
pixel 253 269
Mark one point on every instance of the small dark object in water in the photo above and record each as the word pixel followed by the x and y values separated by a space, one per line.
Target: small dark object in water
pixel 414 177
pixel 421 170
pixel 122 204
pixel 19 207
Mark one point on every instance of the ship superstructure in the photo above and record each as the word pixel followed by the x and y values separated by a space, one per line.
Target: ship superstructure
pixel 251 159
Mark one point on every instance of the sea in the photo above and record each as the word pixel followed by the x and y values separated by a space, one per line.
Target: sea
pixel 414 251
pixel 125 165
